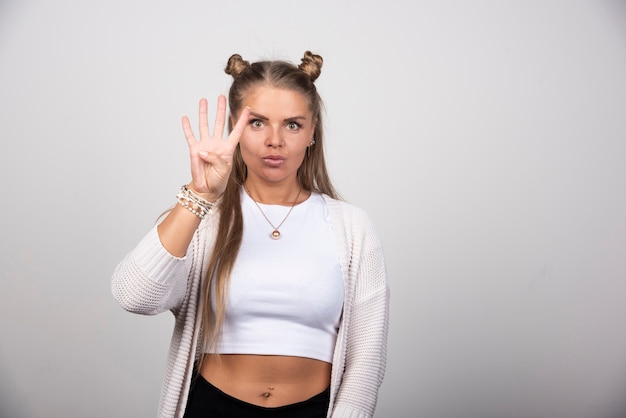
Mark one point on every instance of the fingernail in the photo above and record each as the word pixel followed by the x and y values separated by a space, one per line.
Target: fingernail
pixel 203 153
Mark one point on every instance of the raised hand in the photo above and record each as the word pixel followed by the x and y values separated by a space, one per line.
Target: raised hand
pixel 211 156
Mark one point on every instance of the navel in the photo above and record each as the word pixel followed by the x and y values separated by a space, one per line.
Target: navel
pixel 266 395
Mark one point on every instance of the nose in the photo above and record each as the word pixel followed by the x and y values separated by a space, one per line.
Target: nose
pixel 274 139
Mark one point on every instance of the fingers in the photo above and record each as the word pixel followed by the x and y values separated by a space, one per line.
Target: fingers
pixel 216 164
pixel 191 139
pixel 211 158
pixel 220 122
pixel 203 118
pixel 237 131
pixel 220 118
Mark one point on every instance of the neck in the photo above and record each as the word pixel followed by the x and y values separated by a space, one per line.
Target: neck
pixel 275 194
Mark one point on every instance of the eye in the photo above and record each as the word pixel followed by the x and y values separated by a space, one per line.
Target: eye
pixel 293 126
pixel 256 123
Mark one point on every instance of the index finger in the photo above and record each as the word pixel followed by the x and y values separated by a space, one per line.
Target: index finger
pixel 237 131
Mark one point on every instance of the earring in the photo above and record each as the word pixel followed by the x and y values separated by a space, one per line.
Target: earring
pixel 308 149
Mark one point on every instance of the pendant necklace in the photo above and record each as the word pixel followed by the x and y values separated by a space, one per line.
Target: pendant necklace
pixel 275 233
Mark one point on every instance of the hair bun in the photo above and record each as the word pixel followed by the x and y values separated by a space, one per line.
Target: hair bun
pixel 235 66
pixel 311 65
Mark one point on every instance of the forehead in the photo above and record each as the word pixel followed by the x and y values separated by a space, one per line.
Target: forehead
pixel 272 100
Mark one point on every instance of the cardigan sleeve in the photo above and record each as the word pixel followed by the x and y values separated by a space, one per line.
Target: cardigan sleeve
pixel 366 342
pixel 150 280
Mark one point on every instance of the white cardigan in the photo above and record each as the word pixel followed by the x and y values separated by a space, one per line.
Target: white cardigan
pixel 150 280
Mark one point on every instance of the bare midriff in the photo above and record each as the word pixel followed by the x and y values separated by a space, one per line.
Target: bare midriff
pixel 268 381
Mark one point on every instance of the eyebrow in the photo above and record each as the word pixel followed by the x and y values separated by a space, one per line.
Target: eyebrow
pixel 258 116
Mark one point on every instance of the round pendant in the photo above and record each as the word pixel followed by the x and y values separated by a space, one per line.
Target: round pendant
pixel 275 234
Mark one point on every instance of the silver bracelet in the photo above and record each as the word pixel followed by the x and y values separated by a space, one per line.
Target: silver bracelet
pixel 194 203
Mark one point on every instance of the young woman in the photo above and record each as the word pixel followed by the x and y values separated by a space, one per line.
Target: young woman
pixel 278 288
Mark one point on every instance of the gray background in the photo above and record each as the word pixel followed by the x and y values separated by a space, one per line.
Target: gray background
pixel 487 139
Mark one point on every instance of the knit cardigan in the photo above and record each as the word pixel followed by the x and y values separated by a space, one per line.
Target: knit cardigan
pixel 149 280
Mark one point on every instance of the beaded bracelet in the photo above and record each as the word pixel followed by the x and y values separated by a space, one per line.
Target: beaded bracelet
pixel 194 203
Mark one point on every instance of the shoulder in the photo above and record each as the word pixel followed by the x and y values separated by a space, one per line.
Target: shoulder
pixel 355 221
pixel 342 206
pixel 347 211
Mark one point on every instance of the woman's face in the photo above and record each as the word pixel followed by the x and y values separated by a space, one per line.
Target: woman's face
pixel 280 129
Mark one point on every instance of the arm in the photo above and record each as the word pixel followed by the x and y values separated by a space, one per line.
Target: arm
pixel 366 340
pixel 150 280
pixel 211 163
pixel 153 277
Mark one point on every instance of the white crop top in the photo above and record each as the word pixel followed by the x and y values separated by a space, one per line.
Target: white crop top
pixel 286 295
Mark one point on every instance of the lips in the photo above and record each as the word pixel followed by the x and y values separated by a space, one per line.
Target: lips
pixel 274 160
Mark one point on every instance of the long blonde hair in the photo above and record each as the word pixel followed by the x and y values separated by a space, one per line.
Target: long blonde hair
pixel 312 174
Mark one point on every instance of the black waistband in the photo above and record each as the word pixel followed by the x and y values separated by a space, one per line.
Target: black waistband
pixel 205 400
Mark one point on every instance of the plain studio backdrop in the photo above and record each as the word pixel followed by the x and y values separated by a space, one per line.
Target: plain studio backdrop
pixel 487 139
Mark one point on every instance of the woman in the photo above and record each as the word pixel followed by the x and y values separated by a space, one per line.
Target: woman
pixel 278 288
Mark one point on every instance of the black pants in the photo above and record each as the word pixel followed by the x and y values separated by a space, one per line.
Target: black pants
pixel 207 401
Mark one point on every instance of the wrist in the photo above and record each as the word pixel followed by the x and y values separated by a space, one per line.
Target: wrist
pixel 209 197
pixel 193 202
